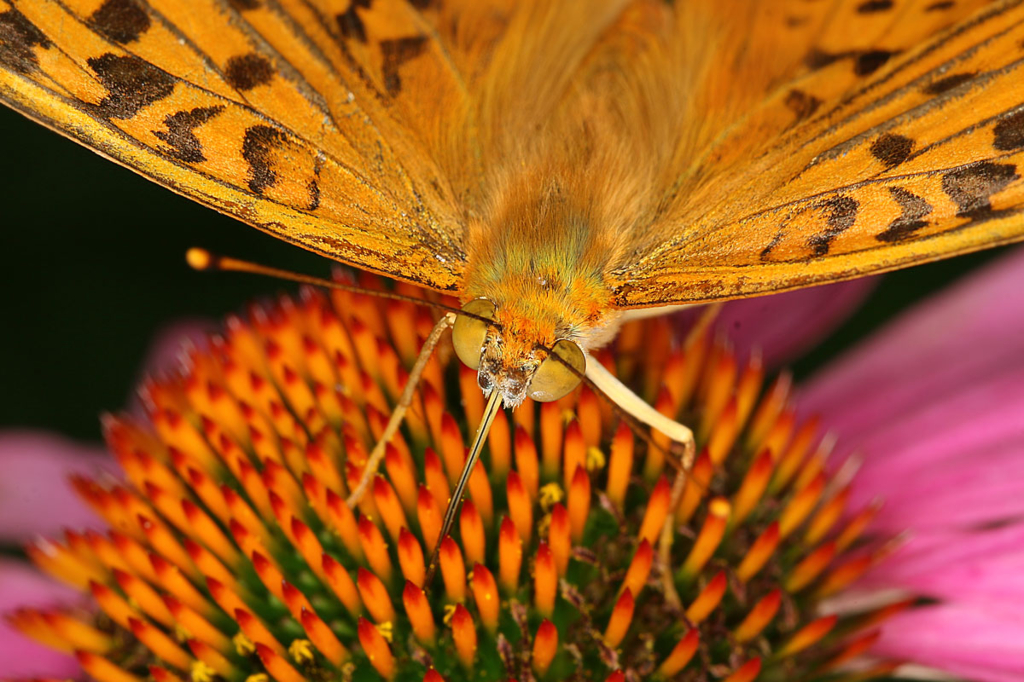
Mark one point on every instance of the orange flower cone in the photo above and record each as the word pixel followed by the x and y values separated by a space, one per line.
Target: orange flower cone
pixel 232 552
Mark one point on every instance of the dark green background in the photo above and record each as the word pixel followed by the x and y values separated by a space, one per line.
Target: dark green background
pixel 92 265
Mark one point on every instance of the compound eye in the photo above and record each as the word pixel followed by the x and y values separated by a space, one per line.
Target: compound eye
pixel 556 377
pixel 469 333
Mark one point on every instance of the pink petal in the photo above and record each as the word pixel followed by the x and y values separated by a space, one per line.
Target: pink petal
pixel 781 326
pixel 954 461
pixel 971 332
pixel 933 405
pixel 977 645
pixel 22 585
pixel 980 568
pixel 35 497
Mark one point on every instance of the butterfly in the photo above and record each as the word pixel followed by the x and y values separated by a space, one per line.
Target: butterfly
pixel 558 166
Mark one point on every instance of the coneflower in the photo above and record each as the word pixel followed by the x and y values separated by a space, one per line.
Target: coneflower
pixel 232 554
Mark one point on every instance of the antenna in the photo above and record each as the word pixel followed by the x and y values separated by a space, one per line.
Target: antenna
pixel 490 411
pixel 203 260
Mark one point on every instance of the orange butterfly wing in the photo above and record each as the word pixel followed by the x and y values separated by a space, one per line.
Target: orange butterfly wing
pixel 896 136
pixel 771 145
pixel 259 111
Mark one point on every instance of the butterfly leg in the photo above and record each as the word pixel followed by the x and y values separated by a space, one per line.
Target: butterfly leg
pixel 639 409
pixel 398 414
pixel 682 439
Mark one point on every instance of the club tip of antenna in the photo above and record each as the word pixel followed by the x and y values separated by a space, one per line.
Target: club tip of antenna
pixel 199 259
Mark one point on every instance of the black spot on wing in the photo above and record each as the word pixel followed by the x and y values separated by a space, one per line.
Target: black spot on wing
pixel 259 142
pixel 767 251
pixel 939 6
pixel 802 104
pixel 132 84
pixel 872 6
pixel 179 135
pixel 971 188
pixel 819 59
pixel 842 214
pixel 349 22
pixel 18 37
pixel 395 53
pixel 914 208
pixel 248 71
pixel 892 149
pixel 869 62
pixel 120 21
pixel 948 83
pixel 1009 132
pixel 864 63
pixel 314 195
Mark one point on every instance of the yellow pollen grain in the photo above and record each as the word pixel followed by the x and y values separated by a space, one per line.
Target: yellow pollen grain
pixel 544 525
pixel 200 672
pixel 258 677
pixel 301 650
pixel 243 645
pixel 567 417
pixel 387 631
pixel 550 494
pixel 595 459
pixel 449 611
pixel 181 633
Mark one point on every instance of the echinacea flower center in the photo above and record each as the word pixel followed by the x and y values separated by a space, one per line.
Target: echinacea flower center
pixel 232 554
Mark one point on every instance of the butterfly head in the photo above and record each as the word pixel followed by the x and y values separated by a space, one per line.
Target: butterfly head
pixel 506 364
